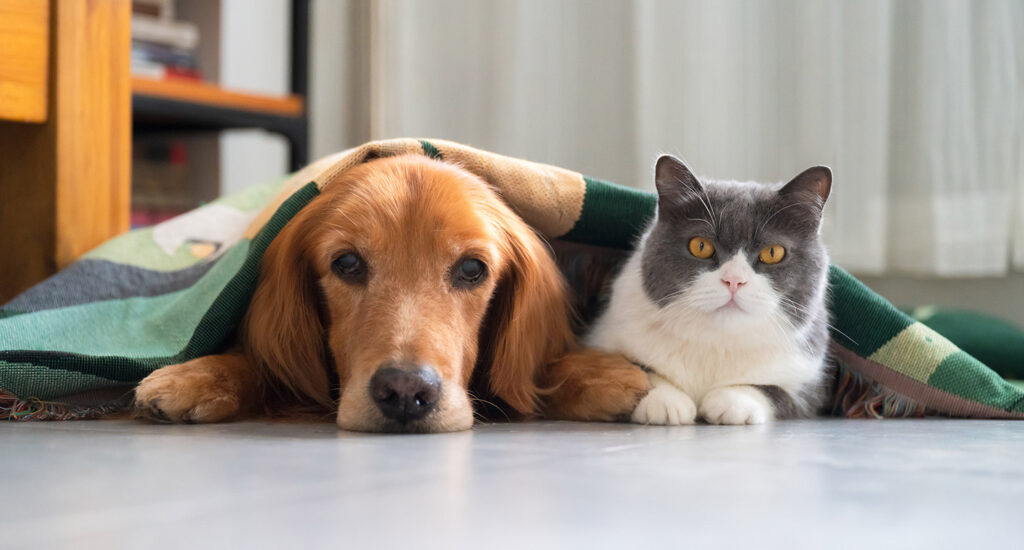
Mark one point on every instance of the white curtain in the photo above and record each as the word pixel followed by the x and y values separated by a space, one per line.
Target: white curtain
pixel 917 105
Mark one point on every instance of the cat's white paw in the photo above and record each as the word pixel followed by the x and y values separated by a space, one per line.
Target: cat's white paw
pixel 666 406
pixel 735 405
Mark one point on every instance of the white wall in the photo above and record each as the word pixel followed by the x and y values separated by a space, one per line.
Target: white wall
pixel 254 56
pixel 339 80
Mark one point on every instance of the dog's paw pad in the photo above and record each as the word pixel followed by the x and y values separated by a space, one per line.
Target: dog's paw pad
pixel 172 396
pixel 734 406
pixel 665 405
pixel 151 410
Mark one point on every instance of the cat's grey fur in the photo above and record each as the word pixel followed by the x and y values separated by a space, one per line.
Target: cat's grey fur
pixel 708 353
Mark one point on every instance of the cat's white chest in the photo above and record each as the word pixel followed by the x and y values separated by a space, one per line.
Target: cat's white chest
pixel 689 352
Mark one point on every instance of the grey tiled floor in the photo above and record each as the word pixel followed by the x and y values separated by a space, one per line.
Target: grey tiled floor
pixel 809 484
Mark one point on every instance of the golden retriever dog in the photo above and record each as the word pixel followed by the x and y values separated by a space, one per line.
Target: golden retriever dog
pixel 402 295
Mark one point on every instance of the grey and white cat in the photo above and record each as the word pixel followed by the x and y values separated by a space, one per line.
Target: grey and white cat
pixel 724 300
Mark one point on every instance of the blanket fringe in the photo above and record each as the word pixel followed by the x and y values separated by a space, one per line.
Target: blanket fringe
pixel 856 396
pixel 14 408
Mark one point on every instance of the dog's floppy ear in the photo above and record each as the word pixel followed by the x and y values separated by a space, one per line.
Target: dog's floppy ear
pixel 282 332
pixel 529 319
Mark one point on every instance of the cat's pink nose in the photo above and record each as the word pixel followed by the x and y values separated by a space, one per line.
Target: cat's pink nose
pixel 734 282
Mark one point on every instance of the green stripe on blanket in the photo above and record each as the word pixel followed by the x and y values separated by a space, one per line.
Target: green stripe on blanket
pixel 612 215
pixel 73 346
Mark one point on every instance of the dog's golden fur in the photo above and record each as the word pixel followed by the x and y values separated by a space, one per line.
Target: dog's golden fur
pixel 412 219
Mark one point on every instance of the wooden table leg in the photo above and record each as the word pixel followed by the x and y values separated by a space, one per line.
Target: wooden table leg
pixel 65 184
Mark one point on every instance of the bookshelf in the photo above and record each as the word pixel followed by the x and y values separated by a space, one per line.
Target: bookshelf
pixel 185 106
pixel 166 105
pixel 184 92
pixel 178 108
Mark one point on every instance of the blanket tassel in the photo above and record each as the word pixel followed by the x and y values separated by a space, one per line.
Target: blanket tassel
pixel 856 396
pixel 14 408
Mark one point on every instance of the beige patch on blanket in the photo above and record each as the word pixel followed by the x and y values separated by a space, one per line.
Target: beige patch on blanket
pixel 203 250
pixel 906 354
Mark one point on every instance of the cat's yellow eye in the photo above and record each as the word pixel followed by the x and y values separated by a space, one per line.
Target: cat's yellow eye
pixel 772 254
pixel 701 248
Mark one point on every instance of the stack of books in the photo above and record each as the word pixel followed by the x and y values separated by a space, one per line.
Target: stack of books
pixel 163 47
pixel 161 182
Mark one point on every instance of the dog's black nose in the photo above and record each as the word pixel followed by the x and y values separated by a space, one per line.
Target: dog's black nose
pixel 405 392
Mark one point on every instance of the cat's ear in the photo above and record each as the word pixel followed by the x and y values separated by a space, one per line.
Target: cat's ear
pixel 811 187
pixel 675 182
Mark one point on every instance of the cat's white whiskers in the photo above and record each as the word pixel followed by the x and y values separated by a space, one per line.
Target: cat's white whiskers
pixel 779 327
pixel 777 212
pixel 809 313
pixel 798 308
pixel 668 299
pixel 702 220
pixel 710 206
pixel 707 205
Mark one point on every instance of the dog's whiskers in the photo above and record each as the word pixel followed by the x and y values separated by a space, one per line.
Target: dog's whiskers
pixel 478 415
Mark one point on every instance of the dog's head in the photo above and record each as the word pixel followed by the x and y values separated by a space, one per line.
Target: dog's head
pixel 403 276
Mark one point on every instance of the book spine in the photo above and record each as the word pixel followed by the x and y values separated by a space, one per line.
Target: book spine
pixel 178 34
pixel 157 53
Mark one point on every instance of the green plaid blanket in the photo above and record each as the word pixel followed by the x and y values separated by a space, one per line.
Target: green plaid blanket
pixel 75 345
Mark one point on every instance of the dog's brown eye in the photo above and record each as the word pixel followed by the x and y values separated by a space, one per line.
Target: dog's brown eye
pixel 468 273
pixel 350 266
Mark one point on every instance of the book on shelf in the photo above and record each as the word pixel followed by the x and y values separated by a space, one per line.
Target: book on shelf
pixel 163 47
pixel 154 8
pixel 159 53
pixel 169 32
pixel 162 61
pixel 161 186
pixel 159 71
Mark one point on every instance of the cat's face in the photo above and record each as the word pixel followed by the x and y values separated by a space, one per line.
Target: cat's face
pixel 736 253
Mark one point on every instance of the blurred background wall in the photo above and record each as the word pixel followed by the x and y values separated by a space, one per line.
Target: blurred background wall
pixel 917 105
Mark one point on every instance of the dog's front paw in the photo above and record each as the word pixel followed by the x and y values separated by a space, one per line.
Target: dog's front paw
pixel 665 405
pixel 195 392
pixel 735 405
pixel 592 385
